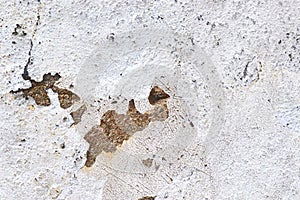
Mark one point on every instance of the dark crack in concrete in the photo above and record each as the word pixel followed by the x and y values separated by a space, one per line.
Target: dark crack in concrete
pixel 115 128
pixel 25 74
pixel 38 90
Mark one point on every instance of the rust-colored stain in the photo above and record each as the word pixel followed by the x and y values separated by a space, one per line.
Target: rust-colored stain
pixel 38 91
pixel 114 128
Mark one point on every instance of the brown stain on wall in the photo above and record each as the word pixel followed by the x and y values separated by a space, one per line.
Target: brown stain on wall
pixel 115 128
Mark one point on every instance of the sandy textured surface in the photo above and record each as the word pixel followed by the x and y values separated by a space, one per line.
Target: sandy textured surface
pixel 231 70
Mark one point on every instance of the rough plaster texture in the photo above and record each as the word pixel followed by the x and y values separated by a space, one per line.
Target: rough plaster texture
pixel 231 68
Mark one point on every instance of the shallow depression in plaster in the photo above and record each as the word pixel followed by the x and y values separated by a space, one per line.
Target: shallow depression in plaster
pixel 129 66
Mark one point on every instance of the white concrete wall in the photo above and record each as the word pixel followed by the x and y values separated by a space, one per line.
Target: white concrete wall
pixel 232 69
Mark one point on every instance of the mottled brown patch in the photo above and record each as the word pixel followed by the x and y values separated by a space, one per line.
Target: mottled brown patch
pixel 98 143
pixel 76 115
pixel 138 118
pixel 115 128
pixel 66 98
pixel 148 162
pixel 38 91
pixel 39 94
pixel 157 94
pixel 112 129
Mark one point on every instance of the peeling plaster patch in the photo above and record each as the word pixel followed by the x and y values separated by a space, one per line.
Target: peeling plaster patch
pixel 115 128
pixel 71 29
pixel 98 143
pixel 140 62
pixel 76 115
pixel 38 91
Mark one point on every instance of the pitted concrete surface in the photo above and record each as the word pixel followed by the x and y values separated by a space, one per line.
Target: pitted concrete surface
pixel 231 70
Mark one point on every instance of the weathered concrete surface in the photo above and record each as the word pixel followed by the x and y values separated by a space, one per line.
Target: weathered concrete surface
pixel 231 68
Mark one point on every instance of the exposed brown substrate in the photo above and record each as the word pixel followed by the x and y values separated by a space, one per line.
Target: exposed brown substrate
pixel 66 97
pixel 157 94
pixel 111 127
pixel 114 128
pixel 38 91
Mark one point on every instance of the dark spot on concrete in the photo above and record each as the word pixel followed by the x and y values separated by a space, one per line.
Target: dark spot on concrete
pixel 76 115
pixel 62 145
pixel 191 124
pixel 147 198
pixel 115 128
pixel 24 33
pixel 200 17
pixel 15 32
pixel 192 40
pixel 111 37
